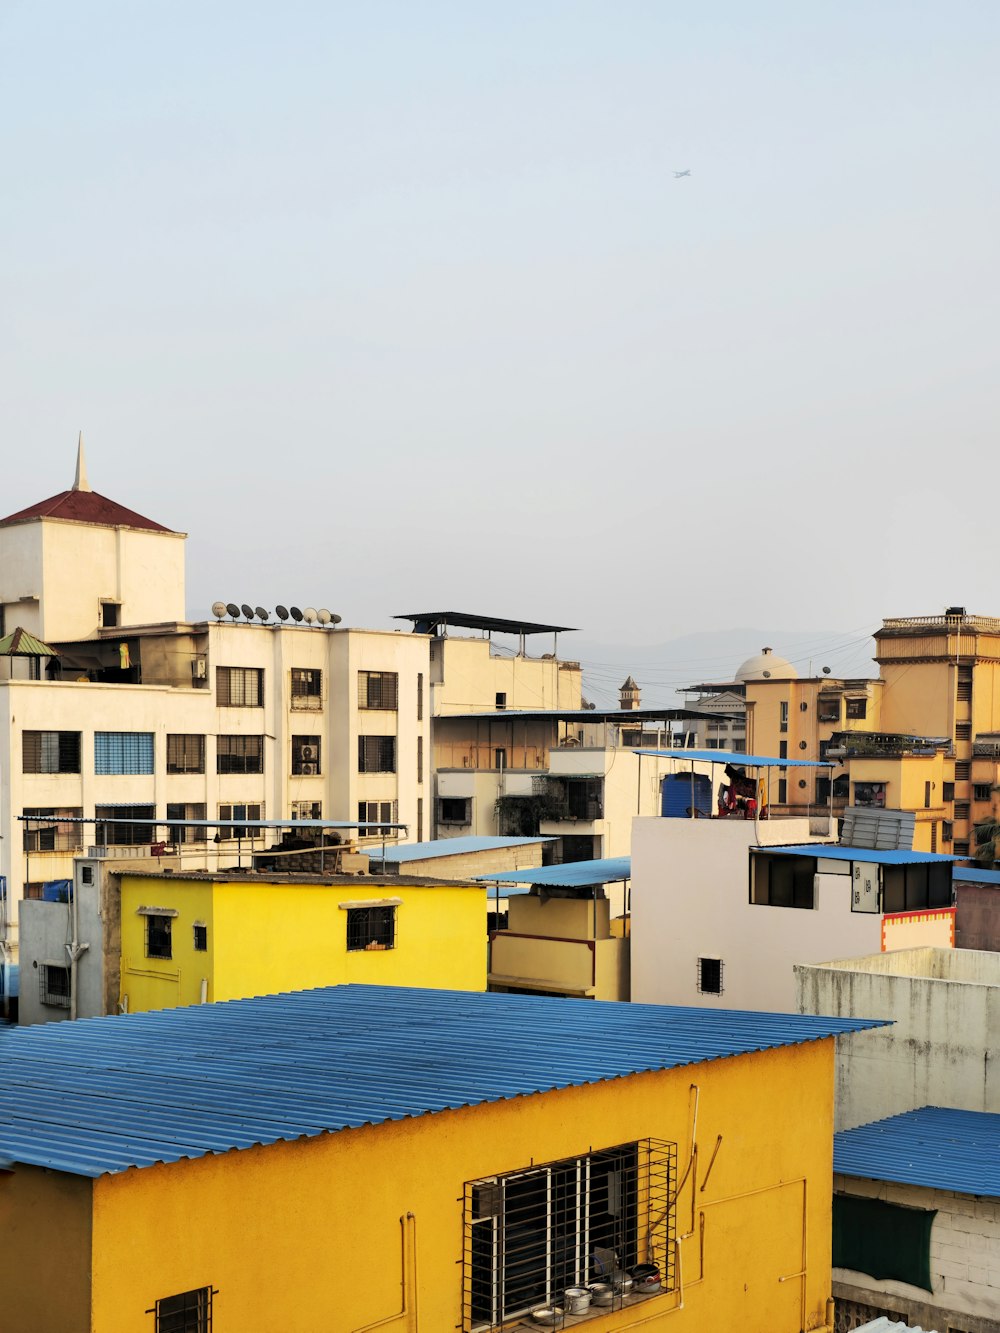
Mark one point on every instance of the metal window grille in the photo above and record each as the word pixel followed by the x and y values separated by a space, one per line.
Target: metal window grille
pixel 981 791
pixel 420 819
pixel 185 754
pixel 376 754
pixel 53 837
pixel 201 938
pixel 307 809
pixel 189 1312
pixel 123 752
pixel 382 814
pixel 420 758
pixel 371 928
pixel 50 751
pixel 54 985
pixel 180 810
pixel 378 689
pixel 239 687
pixel 530 1234
pixel 252 810
pixel 135 833
pixel 857 708
pixel 454 810
pixel 710 976
pixel 420 696
pixel 239 754
pixel 305 755
pixel 158 943
pixel 307 688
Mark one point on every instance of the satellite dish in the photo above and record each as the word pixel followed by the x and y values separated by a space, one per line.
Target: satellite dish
pixel 281 612
pixel 218 610
pixel 247 611
pixel 309 614
pixel 295 613
pixel 261 613
pixel 233 610
pixel 323 616
pixel 767 675
pixel 335 619
pixel 826 671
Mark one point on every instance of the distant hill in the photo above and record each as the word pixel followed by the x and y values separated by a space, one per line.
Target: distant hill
pixel 662 669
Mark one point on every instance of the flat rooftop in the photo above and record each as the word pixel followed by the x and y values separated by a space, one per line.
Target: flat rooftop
pixel 976 967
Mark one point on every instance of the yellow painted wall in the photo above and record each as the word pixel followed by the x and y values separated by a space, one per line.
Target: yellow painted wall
pixel 45 1231
pixel 307 1235
pixel 919 698
pixel 266 937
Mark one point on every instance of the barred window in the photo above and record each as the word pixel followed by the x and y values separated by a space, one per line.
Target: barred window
pixel 187 810
pixel 371 928
pixel 117 753
pixel 857 708
pixel 420 696
pixel 185 754
pixel 530 1234
pixel 158 939
pixel 50 751
pixel 127 826
pixel 710 976
pixel 190 1312
pixel 420 758
pixel 200 937
pixel 239 687
pixel 307 809
pixel 54 985
pixel 379 814
pixel 53 837
pixel 307 688
pixel 253 810
pixel 239 754
pixel 376 754
pixel 378 689
pixel 305 756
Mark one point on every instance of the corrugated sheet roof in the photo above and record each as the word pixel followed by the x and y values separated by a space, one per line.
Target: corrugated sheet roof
pixel 732 757
pixel 834 851
pixel 100 1095
pixel 572 875
pixel 426 851
pixel 976 876
pixel 933 1147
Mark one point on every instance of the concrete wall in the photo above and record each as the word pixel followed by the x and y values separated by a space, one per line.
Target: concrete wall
pixel 977 916
pixel 691 899
pixel 945 1007
pixel 467 865
pixel 964 1260
pixel 468 676
pixel 46 1225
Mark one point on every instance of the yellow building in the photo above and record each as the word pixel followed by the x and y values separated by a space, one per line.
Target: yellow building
pixel 363 1157
pixel 195 937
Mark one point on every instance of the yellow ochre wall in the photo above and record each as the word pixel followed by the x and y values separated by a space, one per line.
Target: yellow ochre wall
pixel 265 937
pixel 308 1235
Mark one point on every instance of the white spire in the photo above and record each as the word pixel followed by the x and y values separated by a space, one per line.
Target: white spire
pixel 80 482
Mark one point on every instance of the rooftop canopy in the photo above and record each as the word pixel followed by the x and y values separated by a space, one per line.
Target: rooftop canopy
pixel 19 643
pixel 737 760
pixel 429 851
pixel 437 622
pixel 931 1147
pixel 835 851
pixel 100 1095
pixel 587 715
pixel 572 875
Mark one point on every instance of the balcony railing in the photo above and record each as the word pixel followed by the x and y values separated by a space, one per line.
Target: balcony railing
pixel 990 623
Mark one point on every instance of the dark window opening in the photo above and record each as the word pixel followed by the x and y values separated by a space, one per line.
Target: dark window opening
pixel 376 754
pixel 50 751
pixel 915 888
pixel 371 929
pixel 501 699
pixel 239 754
pixel 135 831
pixel 305 756
pixel 201 939
pixel 185 754
pixel 784 881
pixel 378 689
pixel 454 810
pixel 158 937
pixel 856 709
pixel 190 1312
pixel 54 985
pixel 710 976
pixel 109 614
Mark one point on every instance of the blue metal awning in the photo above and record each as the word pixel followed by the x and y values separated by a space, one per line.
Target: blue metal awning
pixel 934 1147
pixel 740 760
pixel 967 876
pixel 572 875
pixel 835 851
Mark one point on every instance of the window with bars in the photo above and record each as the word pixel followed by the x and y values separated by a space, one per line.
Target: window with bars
pixel 379 814
pixel 187 810
pixel 420 696
pixel 420 759
pixel 252 810
pixel 200 937
pixel 239 687
pixel 856 709
pixel 378 689
pixel 305 756
pixel 530 1234
pixel 981 791
pixel 189 1312
pixel 307 688
pixel 783 717
pixel 376 754
pixel 710 976
pixel 185 753
pixel 118 753
pixel 158 937
pixel 54 985
pixel 239 754
pixel 50 751
pixel 53 837
pixel 371 929
pixel 828 708
pixel 307 809
pixel 135 831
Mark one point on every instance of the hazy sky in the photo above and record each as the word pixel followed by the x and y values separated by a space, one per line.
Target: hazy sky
pixel 397 306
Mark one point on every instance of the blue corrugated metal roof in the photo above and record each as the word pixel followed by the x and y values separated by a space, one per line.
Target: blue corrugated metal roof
pixel 740 760
pixel 835 851
pixel 976 876
pixel 99 1095
pixel 933 1147
pixel 426 851
pixel 572 875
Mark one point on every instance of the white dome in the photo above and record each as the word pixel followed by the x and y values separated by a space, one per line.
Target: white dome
pixel 766 665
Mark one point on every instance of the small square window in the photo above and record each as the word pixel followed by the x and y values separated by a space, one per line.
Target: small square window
pixel 190 1312
pixel 371 928
pixel 54 985
pixel 710 976
pixel 201 938
pixel 158 937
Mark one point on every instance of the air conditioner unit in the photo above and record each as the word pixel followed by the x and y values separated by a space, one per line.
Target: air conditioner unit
pixel 199 668
pixel 307 770
pixel 307 752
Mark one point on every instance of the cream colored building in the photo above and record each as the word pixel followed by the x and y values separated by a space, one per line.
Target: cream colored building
pixel 164 719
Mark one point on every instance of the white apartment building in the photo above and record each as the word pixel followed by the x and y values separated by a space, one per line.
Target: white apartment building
pixel 143 716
